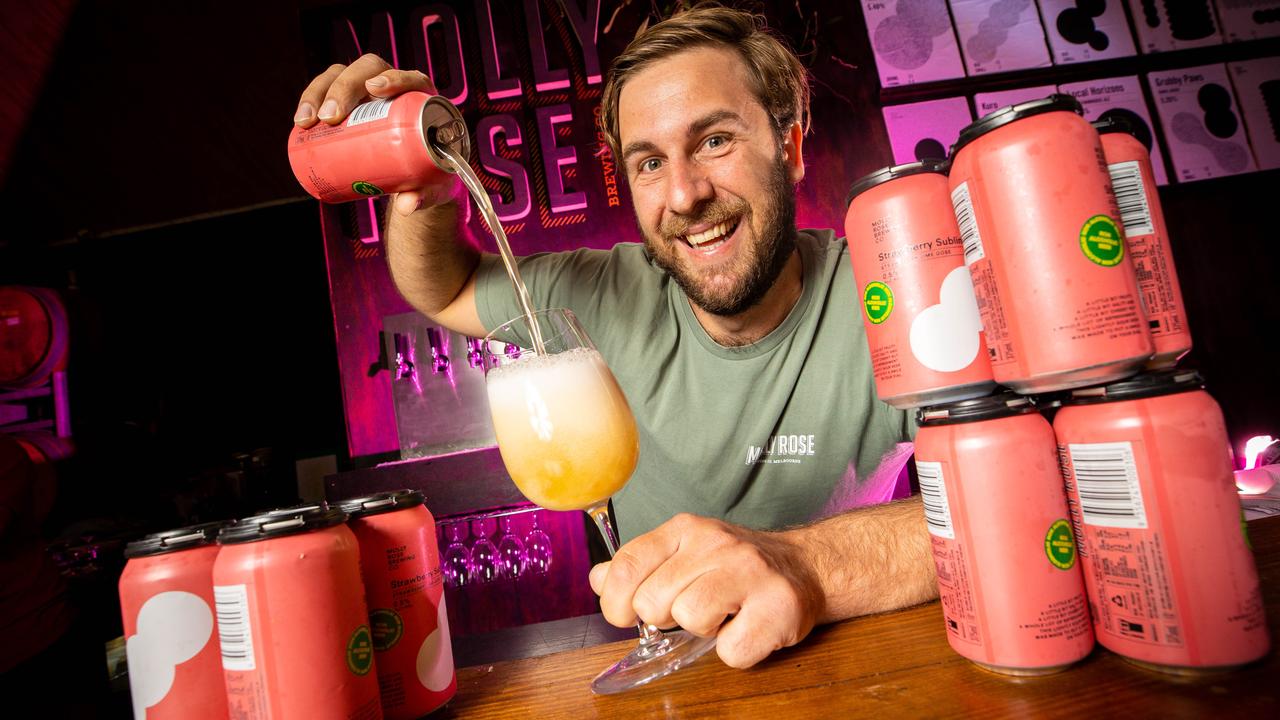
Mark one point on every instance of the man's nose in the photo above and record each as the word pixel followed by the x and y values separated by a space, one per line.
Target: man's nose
pixel 689 187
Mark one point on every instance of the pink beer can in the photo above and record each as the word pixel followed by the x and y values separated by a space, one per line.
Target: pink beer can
pixel 400 563
pixel 166 598
pixel 1038 216
pixel 1148 468
pixel 923 328
pixel 292 620
pixel 1012 593
pixel 1147 239
pixel 384 146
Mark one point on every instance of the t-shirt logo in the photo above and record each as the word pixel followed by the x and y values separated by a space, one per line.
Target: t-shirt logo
pixel 781 449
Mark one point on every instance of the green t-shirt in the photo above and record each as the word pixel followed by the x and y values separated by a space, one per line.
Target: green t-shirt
pixel 763 435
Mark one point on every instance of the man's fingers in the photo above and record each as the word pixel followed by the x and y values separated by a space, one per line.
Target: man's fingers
pixel 597 576
pixel 390 83
pixel 701 608
pixel 633 564
pixel 619 588
pixel 333 94
pixel 752 635
pixel 348 88
pixel 695 570
pixel 407 202
pixel 771 618
pixel 313 97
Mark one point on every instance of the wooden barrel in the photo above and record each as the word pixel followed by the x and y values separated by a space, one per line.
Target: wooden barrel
pixel 33 336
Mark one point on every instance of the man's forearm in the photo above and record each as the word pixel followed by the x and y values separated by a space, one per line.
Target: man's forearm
pixel 430 255
pixel 870 560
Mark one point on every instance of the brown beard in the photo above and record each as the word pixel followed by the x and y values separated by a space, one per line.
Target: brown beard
pixel 764 260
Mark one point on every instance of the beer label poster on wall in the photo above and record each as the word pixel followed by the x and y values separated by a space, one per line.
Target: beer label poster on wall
pixel 1180 25
pixel 925 129
pixel 1000 36
pixel 1249 19
pixel 1086 31
pixel 1121 96
pixel 1202 125
pixel 987 103
pixel 1257 85
pixel 913 41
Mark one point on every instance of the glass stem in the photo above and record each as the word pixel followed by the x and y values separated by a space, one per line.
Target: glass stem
pixel 649 634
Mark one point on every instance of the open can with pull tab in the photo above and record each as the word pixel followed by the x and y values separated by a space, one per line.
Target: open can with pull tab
pixel 384 146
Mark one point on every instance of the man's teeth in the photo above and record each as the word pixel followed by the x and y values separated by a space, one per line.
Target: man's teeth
pixel 707 236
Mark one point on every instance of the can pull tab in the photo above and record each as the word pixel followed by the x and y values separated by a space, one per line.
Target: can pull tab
pixel 448 134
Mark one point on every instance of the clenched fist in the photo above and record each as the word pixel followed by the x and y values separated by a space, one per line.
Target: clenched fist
pixel 753 590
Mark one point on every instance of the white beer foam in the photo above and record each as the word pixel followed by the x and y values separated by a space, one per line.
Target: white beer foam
pixel 435 657
pixel 531 363
pixel 945 337
pixel 173 627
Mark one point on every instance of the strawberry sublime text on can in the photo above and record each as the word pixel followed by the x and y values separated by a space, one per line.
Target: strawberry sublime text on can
pixel 1012 595
pixel 1148 468
pixel 923 327
pixel 166 598
pixel 400 562
pixel 383 146
pixel 1147 240
pixel 1055 287
pixel 292 620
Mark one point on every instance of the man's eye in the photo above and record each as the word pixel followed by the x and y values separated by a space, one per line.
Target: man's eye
pixel 715 141
pixel 650 165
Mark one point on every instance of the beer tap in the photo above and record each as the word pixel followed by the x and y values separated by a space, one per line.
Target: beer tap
pixel 475 355
pixel 513 351
pixel 404 357
pixel 438 339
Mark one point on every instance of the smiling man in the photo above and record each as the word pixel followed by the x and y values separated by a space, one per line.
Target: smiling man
pixel 734 335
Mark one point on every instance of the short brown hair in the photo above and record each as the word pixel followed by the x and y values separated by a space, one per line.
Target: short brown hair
pixel 777 77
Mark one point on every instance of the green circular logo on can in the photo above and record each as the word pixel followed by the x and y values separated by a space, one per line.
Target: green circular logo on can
pixel 877 300
pixel 1102 241
pixel 387 628
pixel 360 651
pixel 366 188
pixel 1060 545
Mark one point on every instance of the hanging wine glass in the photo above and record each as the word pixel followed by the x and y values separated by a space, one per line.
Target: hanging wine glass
pixel 457 559
pixel 510 551
pixel 537 552
pixel 484 556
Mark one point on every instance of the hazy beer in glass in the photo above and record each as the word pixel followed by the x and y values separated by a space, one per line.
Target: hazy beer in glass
pixel 569 441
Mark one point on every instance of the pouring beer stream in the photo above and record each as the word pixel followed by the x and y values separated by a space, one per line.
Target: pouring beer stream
pixel 445 140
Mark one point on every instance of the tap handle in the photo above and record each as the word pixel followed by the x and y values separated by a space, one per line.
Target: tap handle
pixel 404 356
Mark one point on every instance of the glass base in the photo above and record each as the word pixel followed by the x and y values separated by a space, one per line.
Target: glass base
pixel 648 662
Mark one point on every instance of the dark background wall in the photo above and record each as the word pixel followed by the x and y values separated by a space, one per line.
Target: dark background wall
pixel 148 179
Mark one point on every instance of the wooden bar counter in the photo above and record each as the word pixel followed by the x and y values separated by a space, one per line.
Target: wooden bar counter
pixel 897 665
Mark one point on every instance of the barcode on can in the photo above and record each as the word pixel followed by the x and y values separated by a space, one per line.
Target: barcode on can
pixel 1107 481
pixel 231 603
pixel 973 251
pixel 1131 196
pixel 369 112
pixel 933 491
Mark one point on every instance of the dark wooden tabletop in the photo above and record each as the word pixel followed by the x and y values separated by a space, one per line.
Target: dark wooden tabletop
pixel 897 665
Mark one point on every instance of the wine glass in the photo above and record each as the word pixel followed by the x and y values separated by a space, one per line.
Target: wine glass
pixel 484 556
pixel 457 559
pixel 537 549
pixel 569 441
pixel 510 551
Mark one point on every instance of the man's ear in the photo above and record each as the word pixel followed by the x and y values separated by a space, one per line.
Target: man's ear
pixel 792 141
